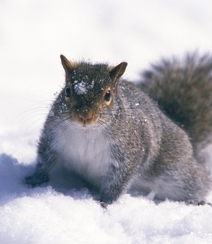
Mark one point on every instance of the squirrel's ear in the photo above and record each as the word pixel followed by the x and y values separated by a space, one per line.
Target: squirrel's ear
pixel 118 71
pixel 67 65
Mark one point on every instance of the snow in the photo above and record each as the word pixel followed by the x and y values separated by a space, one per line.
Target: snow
pixel 32 36
pixel 82 87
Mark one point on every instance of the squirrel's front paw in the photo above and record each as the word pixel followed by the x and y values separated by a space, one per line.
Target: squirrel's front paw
pixel 36 179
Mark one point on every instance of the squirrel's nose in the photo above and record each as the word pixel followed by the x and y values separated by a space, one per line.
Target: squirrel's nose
pixel 85 116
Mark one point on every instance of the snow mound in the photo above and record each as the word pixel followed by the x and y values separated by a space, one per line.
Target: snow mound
pixel 55 214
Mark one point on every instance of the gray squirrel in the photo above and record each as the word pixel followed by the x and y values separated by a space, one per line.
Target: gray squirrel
pixel 118 136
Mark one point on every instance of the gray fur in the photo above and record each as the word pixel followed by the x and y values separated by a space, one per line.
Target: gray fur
pixel 131 145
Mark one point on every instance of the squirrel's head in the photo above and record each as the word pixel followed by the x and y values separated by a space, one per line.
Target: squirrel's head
pixel 90 88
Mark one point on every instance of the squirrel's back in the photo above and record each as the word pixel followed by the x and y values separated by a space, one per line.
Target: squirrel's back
pixel 183 91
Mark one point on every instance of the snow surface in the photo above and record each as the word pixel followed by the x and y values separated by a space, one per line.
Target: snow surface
pixel 32 36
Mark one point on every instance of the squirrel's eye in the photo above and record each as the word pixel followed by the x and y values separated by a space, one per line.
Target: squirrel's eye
pixel 107 96
pixel 67 92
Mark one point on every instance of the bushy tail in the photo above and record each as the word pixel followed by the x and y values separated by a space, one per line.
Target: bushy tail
pixel 183 90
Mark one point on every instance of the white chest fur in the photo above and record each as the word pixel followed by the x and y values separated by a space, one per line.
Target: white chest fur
pixel 84 150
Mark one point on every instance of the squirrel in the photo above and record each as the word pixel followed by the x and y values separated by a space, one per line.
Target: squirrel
pixel 118 135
